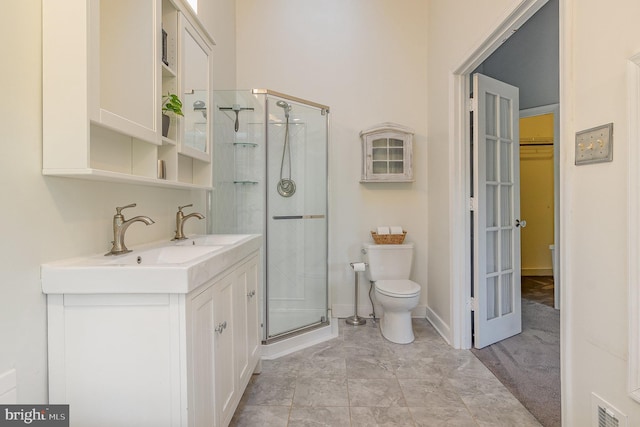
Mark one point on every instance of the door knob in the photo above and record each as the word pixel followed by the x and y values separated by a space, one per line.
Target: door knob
pixel 521 223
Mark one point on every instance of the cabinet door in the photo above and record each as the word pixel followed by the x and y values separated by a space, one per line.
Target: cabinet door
pixel 224 369
pixel 241 300
pixel 387 158
pixel 195 71
pixel 246 326
pixel 201 406
pixel 253 311
pixel 127 57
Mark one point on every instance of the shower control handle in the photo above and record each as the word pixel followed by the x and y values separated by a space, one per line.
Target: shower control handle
pixel 221 327
pixel 251 294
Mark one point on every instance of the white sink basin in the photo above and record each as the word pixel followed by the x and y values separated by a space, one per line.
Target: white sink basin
pixel 163 255
pixel 214 239
pixel 166 267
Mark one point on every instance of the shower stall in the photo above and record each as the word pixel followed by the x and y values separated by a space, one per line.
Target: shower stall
pixel 270 177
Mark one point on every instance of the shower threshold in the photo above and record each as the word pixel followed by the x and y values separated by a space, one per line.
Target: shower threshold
pixel 298 339
pixel 293 332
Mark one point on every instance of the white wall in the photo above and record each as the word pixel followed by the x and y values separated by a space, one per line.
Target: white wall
pixel 49 218
pixel 594 198
pixel 366 59
pixel 454 28
pixel 594 208
pixel 219 17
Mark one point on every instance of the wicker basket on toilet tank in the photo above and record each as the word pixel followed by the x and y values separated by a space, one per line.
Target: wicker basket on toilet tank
pixel 388 239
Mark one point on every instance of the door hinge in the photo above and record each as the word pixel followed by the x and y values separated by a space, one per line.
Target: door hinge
pixel 471 108
pixel 472 304
pixel 473 204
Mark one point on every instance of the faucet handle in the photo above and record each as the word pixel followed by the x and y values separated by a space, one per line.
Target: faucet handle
pixel 119 209
pixel 185 206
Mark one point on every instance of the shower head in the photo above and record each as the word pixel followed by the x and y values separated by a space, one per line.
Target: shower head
pixel 286 106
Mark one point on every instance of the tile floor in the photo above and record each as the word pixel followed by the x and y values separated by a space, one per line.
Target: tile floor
pixel 361 379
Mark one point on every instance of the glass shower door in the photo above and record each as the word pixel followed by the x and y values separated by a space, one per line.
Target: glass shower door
pixel 296 260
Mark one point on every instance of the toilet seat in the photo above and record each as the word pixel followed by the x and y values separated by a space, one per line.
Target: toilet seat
pixel 398 288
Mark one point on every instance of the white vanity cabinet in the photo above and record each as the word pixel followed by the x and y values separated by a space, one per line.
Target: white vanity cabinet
pixel 156 359
pixel 107 66
pixel 225 341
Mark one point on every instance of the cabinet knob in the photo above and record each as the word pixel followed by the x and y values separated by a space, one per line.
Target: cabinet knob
pixel 251 294
pixel 221 327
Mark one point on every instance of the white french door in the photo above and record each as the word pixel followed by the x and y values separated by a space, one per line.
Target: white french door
pixel 496 237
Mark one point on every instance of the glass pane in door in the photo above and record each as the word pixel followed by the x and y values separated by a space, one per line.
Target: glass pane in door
pixel 499 206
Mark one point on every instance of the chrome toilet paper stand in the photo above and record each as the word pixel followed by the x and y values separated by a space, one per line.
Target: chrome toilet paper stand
pixel 356 320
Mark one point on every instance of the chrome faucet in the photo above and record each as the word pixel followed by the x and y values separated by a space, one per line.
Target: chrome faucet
pixel 120 227
pixel 181 218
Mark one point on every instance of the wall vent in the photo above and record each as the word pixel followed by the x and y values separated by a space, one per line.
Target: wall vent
pixel 606 418
pixel 605 415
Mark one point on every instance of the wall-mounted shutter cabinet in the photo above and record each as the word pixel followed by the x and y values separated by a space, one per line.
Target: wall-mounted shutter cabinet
pixel 387 153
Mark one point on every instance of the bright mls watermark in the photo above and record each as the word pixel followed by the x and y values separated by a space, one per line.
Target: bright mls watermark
pixel 34 415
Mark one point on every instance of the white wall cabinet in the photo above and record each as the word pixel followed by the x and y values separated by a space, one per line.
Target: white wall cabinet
pixel 103 84
pixel 156 359
pixel 387 153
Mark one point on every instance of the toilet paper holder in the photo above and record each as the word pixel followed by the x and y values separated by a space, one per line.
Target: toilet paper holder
pixel 358 266
pixel 356 320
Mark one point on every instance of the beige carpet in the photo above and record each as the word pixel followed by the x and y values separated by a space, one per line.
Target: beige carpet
pixel 528 364
pixel 538 289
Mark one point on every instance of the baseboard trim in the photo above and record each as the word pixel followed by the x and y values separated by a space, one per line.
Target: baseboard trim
pixel 345 310
pixel 536 272
pixel 440 326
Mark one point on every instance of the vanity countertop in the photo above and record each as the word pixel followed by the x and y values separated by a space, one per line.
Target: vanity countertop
pixel 161 267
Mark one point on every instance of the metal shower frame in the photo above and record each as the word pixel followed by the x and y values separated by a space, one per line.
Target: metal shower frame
pixel 324 110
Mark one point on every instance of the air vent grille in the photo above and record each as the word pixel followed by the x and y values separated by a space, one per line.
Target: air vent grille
pixel 606 418
pixel 603 414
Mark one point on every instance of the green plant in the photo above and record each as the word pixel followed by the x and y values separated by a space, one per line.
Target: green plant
pixel 171 102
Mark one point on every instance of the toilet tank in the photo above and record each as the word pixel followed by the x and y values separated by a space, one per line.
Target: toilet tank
pixel 388 261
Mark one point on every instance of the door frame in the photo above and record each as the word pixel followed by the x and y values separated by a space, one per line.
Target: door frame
pixel 633 88
pixel 459 161
pixel 555 110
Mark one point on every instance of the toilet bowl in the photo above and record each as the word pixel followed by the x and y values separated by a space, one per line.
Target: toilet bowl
pixel 398 298
pixel 389 269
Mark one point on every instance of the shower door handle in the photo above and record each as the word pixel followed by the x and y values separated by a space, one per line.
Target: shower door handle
pixel 277 217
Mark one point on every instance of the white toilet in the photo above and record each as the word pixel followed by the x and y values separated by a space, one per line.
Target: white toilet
pixel 389 267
